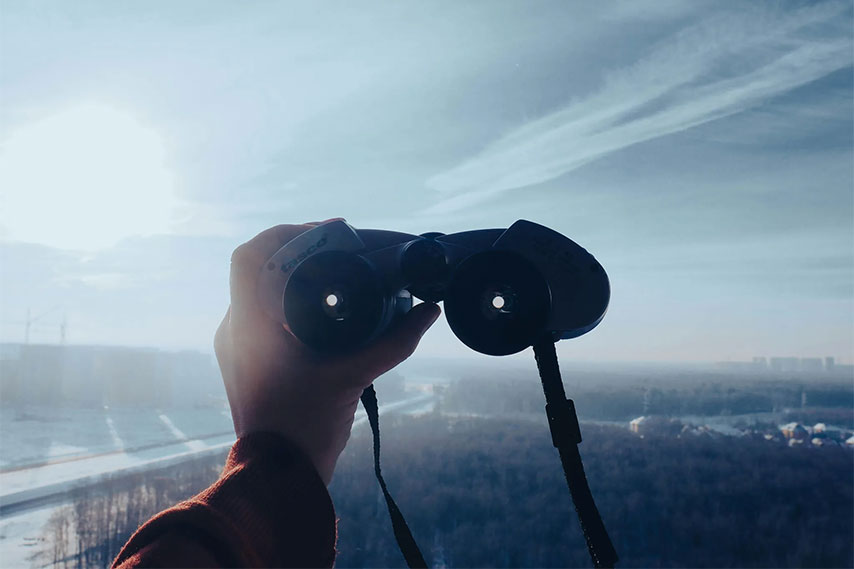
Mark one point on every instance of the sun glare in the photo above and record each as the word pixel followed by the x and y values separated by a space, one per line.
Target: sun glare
pixel 84 179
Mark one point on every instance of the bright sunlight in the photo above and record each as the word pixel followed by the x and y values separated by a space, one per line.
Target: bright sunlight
pixel 84 179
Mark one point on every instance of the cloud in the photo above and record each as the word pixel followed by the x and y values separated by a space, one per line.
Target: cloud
pixel 101 281
pixel 723 66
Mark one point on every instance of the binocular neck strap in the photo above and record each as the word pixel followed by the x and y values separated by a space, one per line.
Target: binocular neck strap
pixel 566 434
pixel 405 541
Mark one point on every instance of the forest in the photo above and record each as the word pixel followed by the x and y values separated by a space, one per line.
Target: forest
pixel 602 396
pixel 481 492
pixel 91 530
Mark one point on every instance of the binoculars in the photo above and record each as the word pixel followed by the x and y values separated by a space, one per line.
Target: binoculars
pixel 337 287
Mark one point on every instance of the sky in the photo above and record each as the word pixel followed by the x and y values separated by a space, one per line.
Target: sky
pixel 702 151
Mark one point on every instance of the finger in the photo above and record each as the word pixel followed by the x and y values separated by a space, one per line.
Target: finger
pixel 393 347
pixel 247 260
pixel 220 340
pixel 316 223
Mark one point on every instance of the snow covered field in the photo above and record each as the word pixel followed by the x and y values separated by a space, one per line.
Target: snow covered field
pixel 32 436
pixel 46 453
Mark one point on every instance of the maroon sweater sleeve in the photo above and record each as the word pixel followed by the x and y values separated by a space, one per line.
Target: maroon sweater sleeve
pixel 269 508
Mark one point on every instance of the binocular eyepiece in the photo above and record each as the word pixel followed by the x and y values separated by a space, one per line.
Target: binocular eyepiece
pixel 497 302
pixel 335 300
pixel 337 288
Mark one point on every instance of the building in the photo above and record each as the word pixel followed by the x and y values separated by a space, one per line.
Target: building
pixel 9 374
pixel 825 431
pixel 40 370
pixel 812 364
pixel 93 376
pixel 82 383
pixel 794 431
pixel 131 380
pixel 191 379
pixel 784 364
pixel 655 424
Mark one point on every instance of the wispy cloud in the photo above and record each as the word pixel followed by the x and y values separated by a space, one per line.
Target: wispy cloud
pixel 718 68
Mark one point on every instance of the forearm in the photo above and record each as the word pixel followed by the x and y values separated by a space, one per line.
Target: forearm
pixel 268 508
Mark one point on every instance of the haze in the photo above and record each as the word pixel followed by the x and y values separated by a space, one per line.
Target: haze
pixel 701 151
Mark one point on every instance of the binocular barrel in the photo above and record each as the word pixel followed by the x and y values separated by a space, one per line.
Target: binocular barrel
pixel 338 288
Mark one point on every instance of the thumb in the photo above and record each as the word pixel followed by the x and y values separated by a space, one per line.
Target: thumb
pixel 396 344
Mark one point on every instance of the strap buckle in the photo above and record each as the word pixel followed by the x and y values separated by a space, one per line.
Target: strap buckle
pixel 563 423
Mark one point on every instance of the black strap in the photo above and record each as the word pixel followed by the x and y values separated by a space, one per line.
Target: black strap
pixel 402 534
pixel 566 435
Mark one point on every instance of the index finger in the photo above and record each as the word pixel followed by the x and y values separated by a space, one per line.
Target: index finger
pixel 248 258
pixel 263 245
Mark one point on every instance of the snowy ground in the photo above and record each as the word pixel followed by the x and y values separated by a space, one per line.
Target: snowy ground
pixel 36 435
pixel 45 453
pixel 22 538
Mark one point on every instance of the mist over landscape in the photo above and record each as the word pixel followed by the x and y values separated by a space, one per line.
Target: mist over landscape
pixel 691 465
pixel 703 152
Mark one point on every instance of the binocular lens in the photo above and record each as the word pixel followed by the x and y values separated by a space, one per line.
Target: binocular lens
pixel 497 303
pixel 334 301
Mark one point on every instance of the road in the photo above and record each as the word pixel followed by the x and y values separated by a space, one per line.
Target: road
pixel 26 488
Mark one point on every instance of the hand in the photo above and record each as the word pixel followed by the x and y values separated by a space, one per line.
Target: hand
pixel 275 383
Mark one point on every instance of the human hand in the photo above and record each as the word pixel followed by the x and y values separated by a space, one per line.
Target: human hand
pixel 275 383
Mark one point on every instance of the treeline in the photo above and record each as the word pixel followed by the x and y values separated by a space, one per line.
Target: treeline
pixel 490 493
pixel 620 402
pixel 91 531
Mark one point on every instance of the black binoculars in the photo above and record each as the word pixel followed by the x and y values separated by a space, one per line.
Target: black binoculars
pixel 337 287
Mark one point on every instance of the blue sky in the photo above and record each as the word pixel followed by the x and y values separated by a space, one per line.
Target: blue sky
pixel 701 150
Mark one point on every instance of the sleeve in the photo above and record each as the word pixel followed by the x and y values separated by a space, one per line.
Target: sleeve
pixel 269 508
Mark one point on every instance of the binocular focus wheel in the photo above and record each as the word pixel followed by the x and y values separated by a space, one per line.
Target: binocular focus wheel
pixel 497 303
pixel 334 301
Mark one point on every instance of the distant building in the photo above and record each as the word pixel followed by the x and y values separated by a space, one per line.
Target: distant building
pixel 131 378
pixel 83 384
pixel 784 364
pixel 789 364
pixel 760 362
pixel 655 424
pixel 40 370
pixel 825 431
pixel 794 431
pixel 10 371
pixel 190 379
pixel 93 376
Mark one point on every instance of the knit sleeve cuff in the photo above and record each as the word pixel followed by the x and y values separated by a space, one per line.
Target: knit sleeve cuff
pixel 268 508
